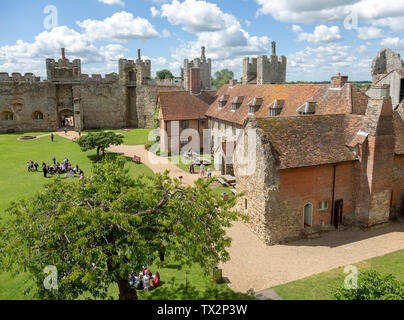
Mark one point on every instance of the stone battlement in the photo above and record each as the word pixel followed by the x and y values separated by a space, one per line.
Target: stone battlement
pixel 264 69
pixel 99 78
pixel 15 76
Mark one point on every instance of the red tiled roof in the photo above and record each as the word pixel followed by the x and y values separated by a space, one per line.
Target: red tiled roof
pixel 311 140
pixel 182 105
pixel 348 99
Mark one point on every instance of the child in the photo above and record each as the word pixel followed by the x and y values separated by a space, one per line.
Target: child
pixel 209 173
pixel 146 282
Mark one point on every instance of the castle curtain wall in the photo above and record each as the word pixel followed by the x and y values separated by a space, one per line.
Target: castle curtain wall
pixel 23 99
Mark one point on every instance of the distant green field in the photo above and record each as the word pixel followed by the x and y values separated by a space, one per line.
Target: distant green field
pixel 320 286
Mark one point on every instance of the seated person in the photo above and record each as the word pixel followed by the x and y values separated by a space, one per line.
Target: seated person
pixel 139 282
pixel 156 280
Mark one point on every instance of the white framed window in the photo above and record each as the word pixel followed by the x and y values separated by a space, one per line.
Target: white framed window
pixel 323 206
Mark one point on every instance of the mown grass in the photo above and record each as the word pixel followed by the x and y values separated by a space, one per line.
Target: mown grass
pixel 17 183
pixel 320 286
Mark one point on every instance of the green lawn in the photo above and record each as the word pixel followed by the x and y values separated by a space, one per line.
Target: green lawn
pixel 319 287
pixel 132 138
pixel 17 183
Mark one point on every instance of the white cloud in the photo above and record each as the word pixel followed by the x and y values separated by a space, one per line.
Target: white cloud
pixel 375 12
pixel 369 33
pixel 221 33
pixel 320 63
pixel 321 34
pixel 120 27
pixel 166 33
pixel 197 16
pixel 395 43
pixel 30 56
pixel 113 2
pixel 154 12
pixel 247 23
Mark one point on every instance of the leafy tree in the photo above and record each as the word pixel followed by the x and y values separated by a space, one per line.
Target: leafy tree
pixel 164 74
pixel 109 225
pixel 373 286
pixel 99 140
pixel 222 77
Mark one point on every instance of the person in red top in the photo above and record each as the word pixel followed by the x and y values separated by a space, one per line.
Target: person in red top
pixel 156 280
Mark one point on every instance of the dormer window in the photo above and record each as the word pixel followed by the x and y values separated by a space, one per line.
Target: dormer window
pixel 237 102
pixel 275 108
pixel 307 108
pixel 223 101
pixel 254 105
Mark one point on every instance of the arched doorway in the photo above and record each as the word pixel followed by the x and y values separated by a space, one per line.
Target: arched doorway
pixel 66 118
pixel 308 215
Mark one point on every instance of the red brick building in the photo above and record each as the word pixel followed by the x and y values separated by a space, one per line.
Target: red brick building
pixel 182 115
pixel 315 172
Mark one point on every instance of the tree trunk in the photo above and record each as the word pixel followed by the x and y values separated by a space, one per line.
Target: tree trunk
pixel 98 152
pixel 126 292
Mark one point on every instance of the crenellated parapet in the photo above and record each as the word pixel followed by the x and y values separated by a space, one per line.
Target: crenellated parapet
pixel 109 78
pixel 63 70
pixel 205 66
pixel 17 77
pixel 264 69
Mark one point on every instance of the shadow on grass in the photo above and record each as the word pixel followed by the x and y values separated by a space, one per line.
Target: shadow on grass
pixel 171 291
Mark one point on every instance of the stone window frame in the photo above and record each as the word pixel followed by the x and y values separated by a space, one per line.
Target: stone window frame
pixel 7 116
pixel 38 115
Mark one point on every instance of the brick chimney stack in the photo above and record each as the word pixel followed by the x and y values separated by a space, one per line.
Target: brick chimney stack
pixel 338 81
pixel 63 57
pixel 195 80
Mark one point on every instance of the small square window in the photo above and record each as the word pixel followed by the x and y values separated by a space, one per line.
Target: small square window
pixel 323 206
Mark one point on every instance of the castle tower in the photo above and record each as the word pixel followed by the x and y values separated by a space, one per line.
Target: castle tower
pixel 143 69
pixel 264 69
pixel 205 66
pixel 63 70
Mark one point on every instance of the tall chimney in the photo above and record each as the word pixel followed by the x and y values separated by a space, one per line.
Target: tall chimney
pixel 63 58
pixel 203 56
pixel 195 80
pixel 273 48
pixel 139 56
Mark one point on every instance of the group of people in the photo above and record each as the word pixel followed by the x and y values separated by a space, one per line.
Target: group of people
pixel 142 280
pixel 202 170
pixel 65 168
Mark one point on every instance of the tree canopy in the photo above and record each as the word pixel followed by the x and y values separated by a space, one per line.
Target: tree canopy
pixel 222 77
pixel 99 141
pixel 111 224
pixel 164 74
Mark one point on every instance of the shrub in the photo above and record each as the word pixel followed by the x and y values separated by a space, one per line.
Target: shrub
pixel 373 286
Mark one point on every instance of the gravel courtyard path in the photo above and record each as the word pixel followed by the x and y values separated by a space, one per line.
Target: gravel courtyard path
pixel 274 265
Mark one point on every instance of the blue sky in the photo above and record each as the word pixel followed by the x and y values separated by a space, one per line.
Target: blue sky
pixel 319 37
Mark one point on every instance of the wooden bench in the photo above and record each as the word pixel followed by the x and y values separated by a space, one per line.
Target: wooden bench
pixel 222 182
